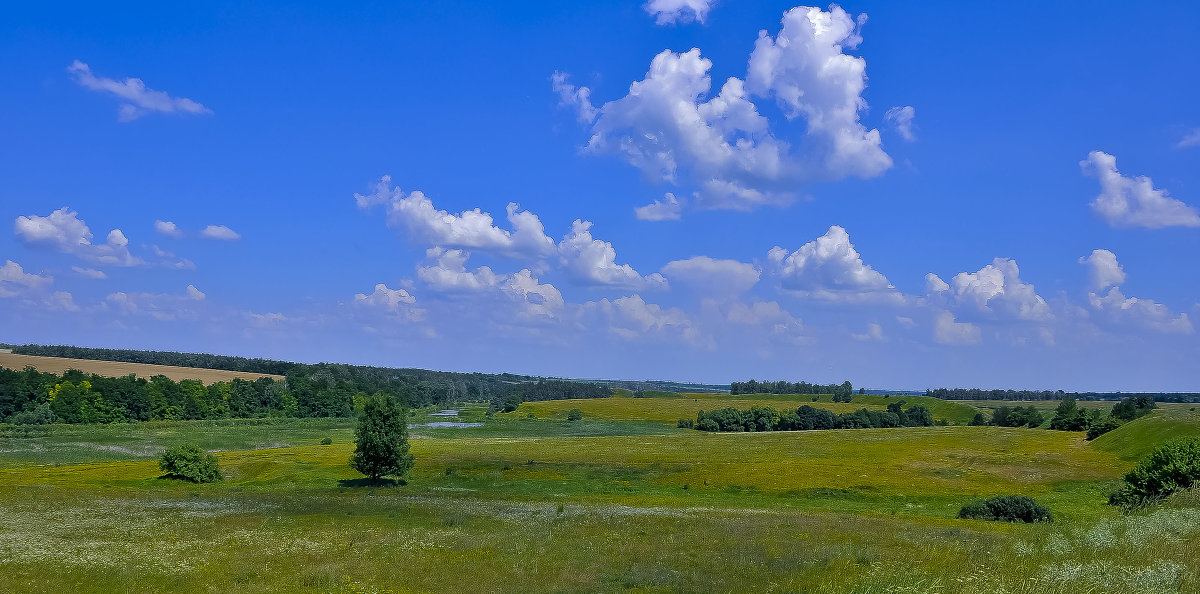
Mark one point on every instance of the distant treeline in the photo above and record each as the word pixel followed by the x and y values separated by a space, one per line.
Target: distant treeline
pixel 786 387
pixel 806 418
pixel 319 390
pixel 978 394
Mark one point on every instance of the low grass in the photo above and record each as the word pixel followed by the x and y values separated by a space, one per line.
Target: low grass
pixel 685 406
pixel 1136 439
pixel 602 504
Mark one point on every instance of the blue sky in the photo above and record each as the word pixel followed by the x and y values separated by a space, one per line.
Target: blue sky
pixel 909 197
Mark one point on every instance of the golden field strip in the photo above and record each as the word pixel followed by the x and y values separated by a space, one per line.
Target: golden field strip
pixel 119 369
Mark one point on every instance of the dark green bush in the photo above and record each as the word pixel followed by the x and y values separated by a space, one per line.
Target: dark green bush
pixel 574 415
pixel 686 423
pixel 327 441
pixel 1005 508
pixel 1097 429
pixel 39 415
pixel 190 463
pixel 1171 467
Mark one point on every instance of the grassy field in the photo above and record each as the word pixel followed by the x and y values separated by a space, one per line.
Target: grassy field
pixel 603 504
pixel 117 369
pixel 669 409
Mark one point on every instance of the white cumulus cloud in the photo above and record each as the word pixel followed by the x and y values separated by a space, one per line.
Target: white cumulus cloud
pixel 632 318
pixel 590 261
pixel 829 267
pixel 947 331
pixel 668 12
pixel 138 100
pixel 669 208
pixel 445 270
pixel 722 148
pixel 534 298
pixel 15 281
pixel 168 229
pixel 65 232
pixel 1134 202
pixel 395 303
pixel 576 98
pixel 805 68
pixel 995 290
pixel 1117 309
pixel 195 294
pixel 415 214
pixel 1103 269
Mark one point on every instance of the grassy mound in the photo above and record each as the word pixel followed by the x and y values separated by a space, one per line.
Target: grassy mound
pixel 1136 439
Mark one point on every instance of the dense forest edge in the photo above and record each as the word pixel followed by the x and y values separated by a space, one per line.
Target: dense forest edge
pixel 308 390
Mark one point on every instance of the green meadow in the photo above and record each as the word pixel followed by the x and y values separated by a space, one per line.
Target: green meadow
pixel 619 501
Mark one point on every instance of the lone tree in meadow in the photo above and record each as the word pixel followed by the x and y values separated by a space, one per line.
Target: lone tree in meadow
pixel 381 439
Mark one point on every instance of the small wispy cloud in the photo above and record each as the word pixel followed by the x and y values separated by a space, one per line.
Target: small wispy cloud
pixel 1190 139
pixel 220 232
pixel 138 99
pixel 901 118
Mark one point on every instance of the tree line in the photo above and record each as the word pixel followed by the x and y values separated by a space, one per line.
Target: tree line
pixel 1068 416
pixel 806 418
pixel 842 390
pixel 978 394
pixel 329 389
pixel 323 390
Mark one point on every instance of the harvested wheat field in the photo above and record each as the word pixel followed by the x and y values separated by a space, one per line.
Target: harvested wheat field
pixel 120 369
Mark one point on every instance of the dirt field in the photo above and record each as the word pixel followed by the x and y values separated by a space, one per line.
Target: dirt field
pixel 117 369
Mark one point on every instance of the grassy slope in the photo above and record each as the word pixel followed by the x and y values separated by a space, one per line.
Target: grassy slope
pixel 521 503
pixel 684 406
pixel 1136 439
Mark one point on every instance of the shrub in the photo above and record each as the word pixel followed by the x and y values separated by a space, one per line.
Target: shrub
pixel 686 423
pixel 190 463
pixel 327 441
pixel 574 415
pixel 40 415
pixel 1097 429
pixel 1133 408
pixel 1171 467
pixel 1005 508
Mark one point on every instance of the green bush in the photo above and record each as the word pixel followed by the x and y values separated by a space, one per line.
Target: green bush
pixel 686 423
pixel 1108 424
pixel 1005 508
pixel 39 415
pixel 1171 467
pixel 190 463
pixel 327 441
pixel 574 415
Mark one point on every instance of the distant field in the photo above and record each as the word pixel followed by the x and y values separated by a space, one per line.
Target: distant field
pixel 116 369
pixel 1052 404
pixel 684 406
